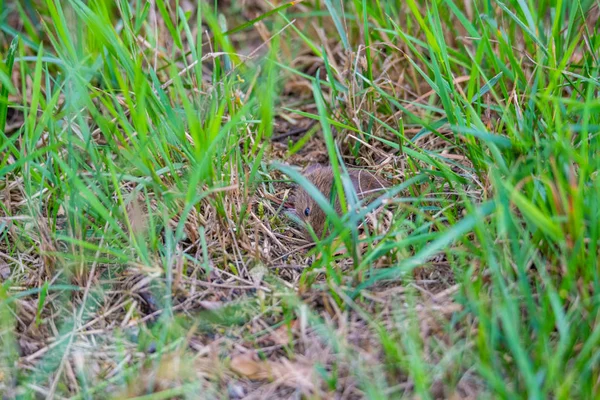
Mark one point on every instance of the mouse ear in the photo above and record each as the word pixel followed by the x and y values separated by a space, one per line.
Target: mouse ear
pixel 365 182
pixel 290 202
pixel 311 168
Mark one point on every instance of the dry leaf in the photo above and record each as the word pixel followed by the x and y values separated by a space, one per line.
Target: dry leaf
pixel 284 334
pixel 246 366
pixel 290 374
pixel 137 217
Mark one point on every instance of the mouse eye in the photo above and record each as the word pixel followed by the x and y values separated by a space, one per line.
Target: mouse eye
pixel 307 211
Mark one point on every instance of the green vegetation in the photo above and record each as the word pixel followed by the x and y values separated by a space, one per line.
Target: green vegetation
pixel 146 157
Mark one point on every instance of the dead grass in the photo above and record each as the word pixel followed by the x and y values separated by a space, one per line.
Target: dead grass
pixel 239 305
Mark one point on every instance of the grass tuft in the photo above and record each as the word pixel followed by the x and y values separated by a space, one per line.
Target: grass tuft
pixel 148 152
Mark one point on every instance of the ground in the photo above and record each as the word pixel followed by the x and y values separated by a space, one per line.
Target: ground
pixel 149 151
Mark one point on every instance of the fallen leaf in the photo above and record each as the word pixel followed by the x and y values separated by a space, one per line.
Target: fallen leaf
pixel 137 217
pixel 284 333
pixel 291 374
pixel 246 366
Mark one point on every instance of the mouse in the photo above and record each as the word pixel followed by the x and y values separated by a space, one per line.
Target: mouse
pixel 367 185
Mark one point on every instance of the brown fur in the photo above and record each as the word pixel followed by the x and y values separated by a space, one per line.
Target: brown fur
pixel 366 184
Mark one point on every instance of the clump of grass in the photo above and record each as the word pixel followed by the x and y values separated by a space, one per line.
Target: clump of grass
pixel 143 180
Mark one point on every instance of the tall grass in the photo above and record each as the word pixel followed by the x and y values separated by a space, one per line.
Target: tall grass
pixel 145 138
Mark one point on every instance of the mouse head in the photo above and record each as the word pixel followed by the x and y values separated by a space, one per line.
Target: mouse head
pixel 305 207
pixel 366 185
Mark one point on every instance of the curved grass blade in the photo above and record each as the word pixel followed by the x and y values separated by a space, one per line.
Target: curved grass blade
pixel 10 60
pixel 261 17
pixel 444 240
